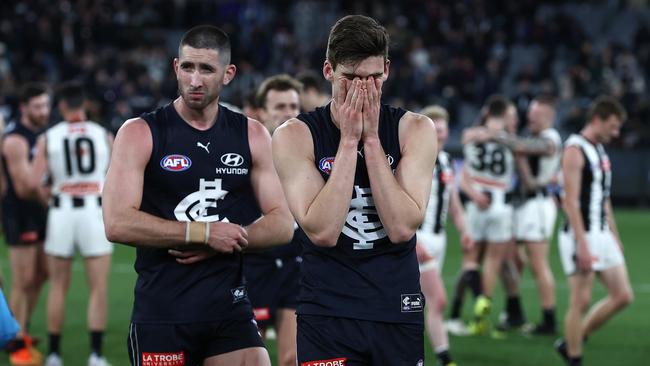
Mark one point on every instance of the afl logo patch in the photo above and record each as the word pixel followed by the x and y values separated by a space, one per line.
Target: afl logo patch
pixel 325 165
pixel 175 163
pixel 232 159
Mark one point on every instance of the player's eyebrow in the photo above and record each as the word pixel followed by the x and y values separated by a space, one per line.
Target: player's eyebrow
pixel 353 75
pixel 201 65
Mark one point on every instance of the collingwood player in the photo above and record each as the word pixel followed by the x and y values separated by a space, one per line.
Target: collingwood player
pixel 74 154
pixel 589 242
pixel 538 163
pixel 186 186
pixel 431 236
pixel 357 175
pixel 487 178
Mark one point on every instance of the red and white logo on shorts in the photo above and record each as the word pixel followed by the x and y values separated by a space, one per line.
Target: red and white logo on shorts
pixel 163 359
pixel 262 313
pixel 330 362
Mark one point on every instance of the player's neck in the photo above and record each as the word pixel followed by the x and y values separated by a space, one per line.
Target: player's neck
pixel 333 110
pixel 201 119
pixel 75 117
pixel 590 135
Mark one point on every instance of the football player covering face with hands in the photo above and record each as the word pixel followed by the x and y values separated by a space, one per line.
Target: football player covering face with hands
pixel 357 175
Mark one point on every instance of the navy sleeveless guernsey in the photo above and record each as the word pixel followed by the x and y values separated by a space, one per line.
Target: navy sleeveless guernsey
pixel 195 175
pixel 365 276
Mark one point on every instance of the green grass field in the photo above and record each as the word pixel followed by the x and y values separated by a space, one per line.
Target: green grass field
pixel 623 341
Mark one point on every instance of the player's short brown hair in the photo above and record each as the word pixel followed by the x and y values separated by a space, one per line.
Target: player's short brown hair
pixel 31 90
pixel 282 82
pixel 354 38
pixel 604 107
pixel 208 37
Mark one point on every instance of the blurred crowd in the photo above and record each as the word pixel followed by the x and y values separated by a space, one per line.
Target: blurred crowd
pixel 455 53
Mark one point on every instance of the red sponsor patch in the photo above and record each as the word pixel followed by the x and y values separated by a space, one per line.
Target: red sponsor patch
pixel 29 236
pixel 330 362
pixel 163 359
pixel 446 177
pixel 606 165
pixel 262 313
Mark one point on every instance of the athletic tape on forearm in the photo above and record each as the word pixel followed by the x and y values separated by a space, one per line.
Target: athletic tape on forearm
pixel 197 232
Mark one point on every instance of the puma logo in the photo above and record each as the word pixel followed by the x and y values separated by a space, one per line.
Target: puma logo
pixel 203 146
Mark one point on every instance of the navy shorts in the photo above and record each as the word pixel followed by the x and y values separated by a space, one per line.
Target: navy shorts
pixel 324 340
pixel 24 228
pixel 272 284
pixel 189 344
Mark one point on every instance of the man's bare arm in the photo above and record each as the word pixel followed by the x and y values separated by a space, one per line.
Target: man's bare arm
pixel 39 169
pixel 16 152
pixel 611 222
pixel 319 207
pixel 572 165
pixel 401 199
pixel 276 225
pixel 123 220
pixel 526 145
pixel 524 173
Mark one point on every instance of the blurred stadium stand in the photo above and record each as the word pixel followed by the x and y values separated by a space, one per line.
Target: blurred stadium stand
pixel 455 53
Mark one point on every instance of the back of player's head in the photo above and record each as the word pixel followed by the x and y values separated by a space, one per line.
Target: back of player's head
pixel 496 106
pixel 604 107
pixel 207 37
pixel 282 82
pixel 309 80
pixel 354 38
pixel 31 90
pixel 72 94
pixel 436 113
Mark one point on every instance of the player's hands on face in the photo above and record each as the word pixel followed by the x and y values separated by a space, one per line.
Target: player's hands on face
pixel 348 111
pixel 227 238
pixel 583 256
pixel 371 107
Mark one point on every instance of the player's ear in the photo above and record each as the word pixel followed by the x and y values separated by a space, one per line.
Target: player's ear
pixel 386 69
pixel 176 63
pixel 231 70
pixel 328 71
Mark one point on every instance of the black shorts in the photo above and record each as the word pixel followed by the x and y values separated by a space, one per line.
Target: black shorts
pixel 189 344
pixel 23 229
pixel 324 340
pixel 272 284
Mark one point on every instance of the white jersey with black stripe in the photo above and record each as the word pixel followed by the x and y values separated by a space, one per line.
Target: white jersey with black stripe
pixel 596 182
pixel 435 216
pixel 78 154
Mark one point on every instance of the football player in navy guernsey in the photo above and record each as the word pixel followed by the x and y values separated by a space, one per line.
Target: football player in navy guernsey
pixel 357 175
pixel 272 275
pixel 589 242
pixel 191 185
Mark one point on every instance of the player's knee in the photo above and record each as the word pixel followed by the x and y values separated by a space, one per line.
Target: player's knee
pixel 624 298
pixel 440 303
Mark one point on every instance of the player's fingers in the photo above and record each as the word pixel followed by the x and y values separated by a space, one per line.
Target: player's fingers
pixel 378 83
pixel 361 100
pixel 340 97
pixel 236 247
pixel 243 232
pixel 178 253
pixel 242 241
pixel 353 93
